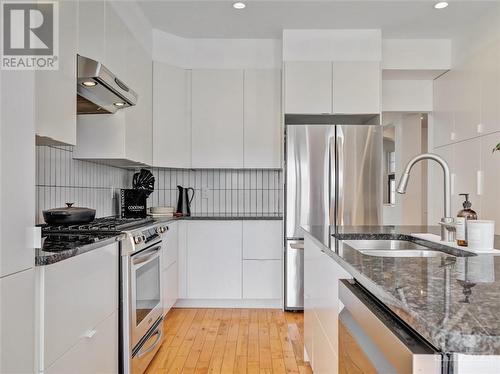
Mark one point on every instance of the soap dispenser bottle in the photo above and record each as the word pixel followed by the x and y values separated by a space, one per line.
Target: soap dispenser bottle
pixel 463 216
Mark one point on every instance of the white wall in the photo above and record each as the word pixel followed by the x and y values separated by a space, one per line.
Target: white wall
pixel 332 45
pixel 416 54
pixel 216 53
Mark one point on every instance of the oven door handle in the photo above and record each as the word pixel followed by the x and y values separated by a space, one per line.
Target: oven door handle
pixel 159 335
pixel 145 256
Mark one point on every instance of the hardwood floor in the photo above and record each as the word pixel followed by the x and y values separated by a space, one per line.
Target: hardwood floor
pixel 231 341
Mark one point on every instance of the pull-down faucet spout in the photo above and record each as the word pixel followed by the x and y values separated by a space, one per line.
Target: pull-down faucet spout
pixel 447 222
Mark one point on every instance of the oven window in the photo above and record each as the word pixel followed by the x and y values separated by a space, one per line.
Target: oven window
pixel 147 289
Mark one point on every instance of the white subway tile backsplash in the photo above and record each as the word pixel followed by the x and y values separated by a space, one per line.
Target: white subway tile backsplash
pixel 61 179
pixel 228 191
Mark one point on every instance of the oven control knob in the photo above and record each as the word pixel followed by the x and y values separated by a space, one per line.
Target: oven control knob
pixel 137 239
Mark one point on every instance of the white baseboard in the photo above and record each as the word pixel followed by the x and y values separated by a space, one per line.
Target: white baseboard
pixel 229 303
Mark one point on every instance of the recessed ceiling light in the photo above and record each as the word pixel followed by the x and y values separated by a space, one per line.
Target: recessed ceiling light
pixel 119 103
pixel 441 5
pixel 239 5
pixel 89 83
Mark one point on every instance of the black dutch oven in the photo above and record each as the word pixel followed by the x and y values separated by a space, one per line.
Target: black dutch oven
pixel 69 215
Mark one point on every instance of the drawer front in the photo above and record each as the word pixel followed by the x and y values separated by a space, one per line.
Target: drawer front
pixel 96 353
pixel 262 240
pixel 262 279
pixel 170 245
pixel 79 293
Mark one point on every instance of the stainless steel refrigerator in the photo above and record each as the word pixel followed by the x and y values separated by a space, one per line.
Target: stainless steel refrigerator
pixel 333 177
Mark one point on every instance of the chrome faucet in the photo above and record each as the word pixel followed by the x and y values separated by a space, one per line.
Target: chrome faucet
pixel 447 222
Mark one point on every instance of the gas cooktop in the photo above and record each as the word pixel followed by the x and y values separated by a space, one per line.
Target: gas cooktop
pixel 104 225
pixel 66 242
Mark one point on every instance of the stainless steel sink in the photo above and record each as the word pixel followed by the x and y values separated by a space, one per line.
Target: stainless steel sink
pixel 393 248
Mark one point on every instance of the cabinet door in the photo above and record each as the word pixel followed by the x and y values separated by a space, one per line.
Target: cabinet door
pixel 217 118
pixel 139 118
pixel 170 245
pixel 214 260
pixel 356 87
pixel 97 352
pixel 17 163
pixel 77 299
pixel 171 116
pixel 55 89
pixel 468 99
pixel 490 88
pixel 262 279
pixel 444 109
pixel 115 52
pixel 467 174
pixel 170 287
pixel 308 87
pixel 490 208
pixel 91 20
pixel 262 121
pixel 17 323
pixel 262 240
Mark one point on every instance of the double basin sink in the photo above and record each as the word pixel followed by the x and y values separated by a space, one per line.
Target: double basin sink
pixel 401 248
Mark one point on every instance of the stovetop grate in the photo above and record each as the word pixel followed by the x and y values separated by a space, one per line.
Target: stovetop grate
pixel 104 224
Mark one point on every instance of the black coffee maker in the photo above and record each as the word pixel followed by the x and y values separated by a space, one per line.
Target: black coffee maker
pixel 184 202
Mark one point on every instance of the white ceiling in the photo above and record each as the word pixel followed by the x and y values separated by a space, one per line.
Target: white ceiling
pixel 267 18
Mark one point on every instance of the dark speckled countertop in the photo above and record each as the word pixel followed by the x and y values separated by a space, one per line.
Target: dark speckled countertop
pixel 453 302
pixel 71 245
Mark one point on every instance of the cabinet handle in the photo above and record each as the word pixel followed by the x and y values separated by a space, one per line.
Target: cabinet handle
pixel 89 334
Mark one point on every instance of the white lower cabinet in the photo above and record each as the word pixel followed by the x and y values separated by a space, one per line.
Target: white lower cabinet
pixel 78 296
pixel 262 240
pixel 262 279
pixel 17 322
pixel 214 259
pixel 170 287
pixel 97 352
pixel 218 267
pixel 321 307
pixel 170 245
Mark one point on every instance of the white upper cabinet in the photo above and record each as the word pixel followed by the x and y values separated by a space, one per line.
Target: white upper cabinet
pixel 171 116
pixel 468 99
pixel 91 21
pixel 324 87
pixel 217 118
pixel 55 89
pixel 444 104
pixel 262 119
pixel 139 118
pixel 116 38
pixel 356 87
pixel 308 87
pixel 125 138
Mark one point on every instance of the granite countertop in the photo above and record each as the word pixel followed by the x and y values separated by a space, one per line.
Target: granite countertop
pixel 78 244
pixel 453 302
pixel 75 244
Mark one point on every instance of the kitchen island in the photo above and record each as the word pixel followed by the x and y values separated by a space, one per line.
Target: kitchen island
pixel 451 300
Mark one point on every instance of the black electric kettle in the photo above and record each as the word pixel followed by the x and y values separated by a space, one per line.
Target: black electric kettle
pixel 184 202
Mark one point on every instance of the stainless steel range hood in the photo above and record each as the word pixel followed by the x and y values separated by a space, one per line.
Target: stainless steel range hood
pixel 99 91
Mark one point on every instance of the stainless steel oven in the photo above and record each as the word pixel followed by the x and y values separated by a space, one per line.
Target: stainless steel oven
pixel 141 290
pixel 145 291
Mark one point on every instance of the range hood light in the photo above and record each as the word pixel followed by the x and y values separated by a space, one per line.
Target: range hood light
pixel 119 104
pixel 89 83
